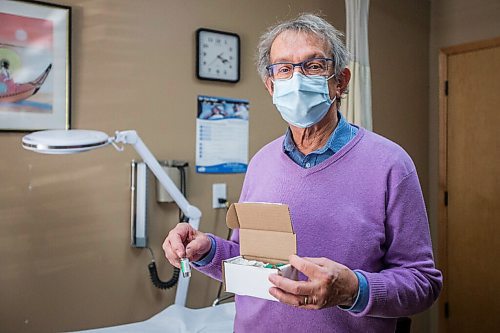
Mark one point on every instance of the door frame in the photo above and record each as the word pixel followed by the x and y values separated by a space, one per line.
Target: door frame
pixel 444 53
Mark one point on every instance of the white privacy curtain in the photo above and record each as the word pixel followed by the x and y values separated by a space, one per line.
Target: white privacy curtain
pixel 357 107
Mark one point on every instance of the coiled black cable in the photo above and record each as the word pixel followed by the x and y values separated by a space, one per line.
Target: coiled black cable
pixel 153 271
pixel 157 282
pixel 155 278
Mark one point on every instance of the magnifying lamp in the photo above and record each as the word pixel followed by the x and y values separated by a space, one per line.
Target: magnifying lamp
pixel 76 141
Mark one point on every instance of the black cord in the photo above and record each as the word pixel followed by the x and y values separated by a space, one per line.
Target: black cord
pixel 153 271
pixel 157 282
pixel 155 278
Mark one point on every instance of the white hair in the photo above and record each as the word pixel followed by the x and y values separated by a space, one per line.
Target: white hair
pixel 308 23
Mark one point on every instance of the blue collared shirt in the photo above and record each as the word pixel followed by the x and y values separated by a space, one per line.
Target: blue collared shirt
pixel 342 134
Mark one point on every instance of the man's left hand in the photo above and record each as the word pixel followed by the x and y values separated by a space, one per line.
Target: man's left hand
pixel 329 284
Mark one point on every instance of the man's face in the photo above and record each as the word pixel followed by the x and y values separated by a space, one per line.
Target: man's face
pixel 295 47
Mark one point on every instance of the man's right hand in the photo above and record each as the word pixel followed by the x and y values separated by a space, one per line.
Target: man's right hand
pixel 185 242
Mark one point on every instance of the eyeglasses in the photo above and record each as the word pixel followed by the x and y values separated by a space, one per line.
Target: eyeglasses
pixel 313 66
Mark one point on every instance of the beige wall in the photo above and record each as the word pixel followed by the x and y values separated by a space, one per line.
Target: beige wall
pixel 453 22
pixel 65 258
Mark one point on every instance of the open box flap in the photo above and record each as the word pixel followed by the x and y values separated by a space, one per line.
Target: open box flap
pixel 259 216
pixel 265 230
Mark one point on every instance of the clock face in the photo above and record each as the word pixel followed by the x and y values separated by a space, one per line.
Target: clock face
pixel 218 55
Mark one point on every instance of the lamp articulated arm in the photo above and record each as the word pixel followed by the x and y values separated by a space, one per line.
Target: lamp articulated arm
pixel 132 138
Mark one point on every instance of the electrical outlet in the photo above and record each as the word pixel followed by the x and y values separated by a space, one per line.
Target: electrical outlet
pixel 219 191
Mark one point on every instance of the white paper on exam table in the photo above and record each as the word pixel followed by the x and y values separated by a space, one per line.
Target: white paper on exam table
pixel 179 319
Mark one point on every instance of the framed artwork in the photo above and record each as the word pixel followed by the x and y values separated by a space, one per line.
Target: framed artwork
pixel 35 65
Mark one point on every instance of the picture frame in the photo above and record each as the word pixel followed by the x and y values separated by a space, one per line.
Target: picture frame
pixel 35 65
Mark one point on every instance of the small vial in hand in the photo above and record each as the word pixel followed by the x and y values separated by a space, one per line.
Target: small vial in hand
pixel 185 268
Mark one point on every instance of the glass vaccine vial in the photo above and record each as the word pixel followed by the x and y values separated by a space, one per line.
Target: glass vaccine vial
pixel 185 268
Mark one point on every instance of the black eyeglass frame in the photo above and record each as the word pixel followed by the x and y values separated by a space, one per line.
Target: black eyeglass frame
pixel 301 64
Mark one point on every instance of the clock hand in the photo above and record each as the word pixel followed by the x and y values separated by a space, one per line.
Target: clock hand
pixel 214 60
pixel 224 60
pixel 219 57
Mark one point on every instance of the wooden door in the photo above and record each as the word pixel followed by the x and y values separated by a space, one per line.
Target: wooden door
pixel 471 188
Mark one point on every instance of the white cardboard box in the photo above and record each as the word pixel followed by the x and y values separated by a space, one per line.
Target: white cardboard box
pixel 266 235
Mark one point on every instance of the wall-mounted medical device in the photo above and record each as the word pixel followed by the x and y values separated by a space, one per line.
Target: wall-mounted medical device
pixel 172 169
pixel 140 195
pixel 138 204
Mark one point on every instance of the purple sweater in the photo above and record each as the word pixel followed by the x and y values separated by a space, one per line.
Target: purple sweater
pixel 362 207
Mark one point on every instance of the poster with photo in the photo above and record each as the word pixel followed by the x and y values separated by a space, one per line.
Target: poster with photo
pixel 222 135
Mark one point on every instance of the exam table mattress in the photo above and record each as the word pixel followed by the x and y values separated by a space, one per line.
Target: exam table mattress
pixel 179 319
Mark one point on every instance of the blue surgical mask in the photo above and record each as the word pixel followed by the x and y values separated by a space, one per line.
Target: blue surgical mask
pixel 302 100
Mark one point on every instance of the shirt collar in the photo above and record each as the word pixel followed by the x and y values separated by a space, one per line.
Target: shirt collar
pixel 335 141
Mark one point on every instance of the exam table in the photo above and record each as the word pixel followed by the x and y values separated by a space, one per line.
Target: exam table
pixel 179 319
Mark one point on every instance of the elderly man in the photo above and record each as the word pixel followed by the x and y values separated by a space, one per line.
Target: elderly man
pixel 363 242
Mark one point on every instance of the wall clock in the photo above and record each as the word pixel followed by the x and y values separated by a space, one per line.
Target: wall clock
pixel 218 55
